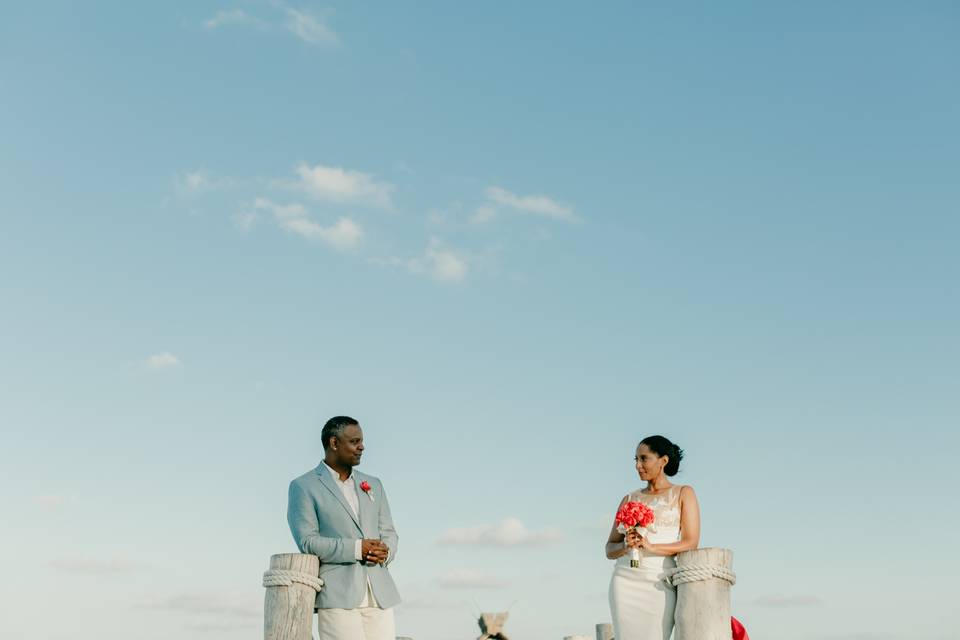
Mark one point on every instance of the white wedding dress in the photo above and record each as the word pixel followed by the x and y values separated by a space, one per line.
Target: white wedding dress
pixel 641 604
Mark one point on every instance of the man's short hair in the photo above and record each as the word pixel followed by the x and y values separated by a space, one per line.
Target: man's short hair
pixel 334 428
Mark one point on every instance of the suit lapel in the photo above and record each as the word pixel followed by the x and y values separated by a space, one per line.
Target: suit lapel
pixel 324 472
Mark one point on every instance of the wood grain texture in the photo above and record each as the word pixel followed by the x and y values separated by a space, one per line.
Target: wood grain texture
pixel 288 611
pixel 703 607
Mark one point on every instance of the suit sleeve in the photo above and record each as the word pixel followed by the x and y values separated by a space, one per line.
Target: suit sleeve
pixel 302 518
pixel 388 533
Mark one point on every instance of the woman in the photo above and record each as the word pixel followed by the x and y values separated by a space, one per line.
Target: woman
pixel 640 603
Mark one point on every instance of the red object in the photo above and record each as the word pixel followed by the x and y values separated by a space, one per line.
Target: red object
pixel 634 514
pixel 365 486
pixel 739 633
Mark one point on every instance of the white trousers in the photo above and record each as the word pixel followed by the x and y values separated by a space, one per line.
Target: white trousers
pixel 363 623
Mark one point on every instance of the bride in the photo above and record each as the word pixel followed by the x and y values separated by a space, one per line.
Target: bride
pixel 640 603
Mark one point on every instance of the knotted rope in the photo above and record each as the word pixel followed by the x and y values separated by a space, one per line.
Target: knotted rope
pixel 286 578
pixel 697 572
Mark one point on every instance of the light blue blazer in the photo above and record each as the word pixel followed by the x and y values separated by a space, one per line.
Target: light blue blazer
pixel 323 524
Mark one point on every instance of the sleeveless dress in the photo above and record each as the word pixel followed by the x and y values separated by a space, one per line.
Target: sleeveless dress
pixel 640 603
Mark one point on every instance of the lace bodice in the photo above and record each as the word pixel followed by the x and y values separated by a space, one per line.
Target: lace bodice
pixel 666 507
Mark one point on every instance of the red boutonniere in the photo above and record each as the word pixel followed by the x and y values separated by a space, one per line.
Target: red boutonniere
pixel 365 486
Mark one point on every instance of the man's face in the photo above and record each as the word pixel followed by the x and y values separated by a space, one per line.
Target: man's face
pixel 349 446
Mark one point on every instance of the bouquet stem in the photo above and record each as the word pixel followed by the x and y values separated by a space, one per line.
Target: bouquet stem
pixel 634 558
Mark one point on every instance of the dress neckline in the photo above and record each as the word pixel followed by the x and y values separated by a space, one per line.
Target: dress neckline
pixel 660 493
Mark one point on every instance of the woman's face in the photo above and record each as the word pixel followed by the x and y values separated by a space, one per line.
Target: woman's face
pixel 649 464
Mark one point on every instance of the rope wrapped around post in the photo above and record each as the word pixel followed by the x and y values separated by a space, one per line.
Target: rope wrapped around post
pixel 694 573
pixel 702 578
pixel 292 583
pixel 285 578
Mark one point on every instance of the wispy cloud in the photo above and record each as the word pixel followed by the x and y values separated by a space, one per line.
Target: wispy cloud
pixel 163 360
pixel 483 214
pixel 244 220
pixel 199 181
pixel 309 27
pixel 783 601
pixel 241 606
pixel 470 579
pixel 537 205
pixel 305 25
pixel 343 186
pixel 442 263
pixel 343 235
pixel 231 17
pixel 511 532
pixel 438 262
pixel 94 566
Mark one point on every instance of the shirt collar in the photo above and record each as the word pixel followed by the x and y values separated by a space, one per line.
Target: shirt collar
pixel 336 475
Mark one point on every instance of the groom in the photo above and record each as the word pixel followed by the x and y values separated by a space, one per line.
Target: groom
pixel 342 516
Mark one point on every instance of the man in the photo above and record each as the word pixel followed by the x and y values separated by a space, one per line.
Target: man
pixel 342 516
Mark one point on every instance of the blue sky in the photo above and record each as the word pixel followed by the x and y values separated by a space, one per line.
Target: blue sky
pixel 511 241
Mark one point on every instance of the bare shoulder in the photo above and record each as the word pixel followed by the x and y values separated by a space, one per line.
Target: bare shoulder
pixel 686 491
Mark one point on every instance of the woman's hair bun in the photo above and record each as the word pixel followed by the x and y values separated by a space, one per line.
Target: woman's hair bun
pixel 673 464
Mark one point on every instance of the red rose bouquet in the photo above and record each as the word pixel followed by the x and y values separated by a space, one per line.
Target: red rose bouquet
pixel 638 517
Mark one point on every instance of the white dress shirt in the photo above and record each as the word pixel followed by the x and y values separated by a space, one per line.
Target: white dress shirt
pixel 349 490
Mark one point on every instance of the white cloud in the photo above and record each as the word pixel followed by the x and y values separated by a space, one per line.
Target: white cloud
pixel 437 217
pixel 443 264
pixel 344 234
pixel 245 220
pixel 335 184
pixel 199 181
pixel 510 532
pixel 93 566
pixel 281 211
pixel 162 360
pixel 535 205
pixel 483 214
pixel 238 605
pixel 233 16
pixel 438 262
pixel 787 601
pixel 470 579
pixel 192 182
pixel 309 28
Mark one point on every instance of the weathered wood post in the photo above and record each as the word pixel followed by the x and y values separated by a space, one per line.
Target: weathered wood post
pixel 605 631
pixel 703 578
pixel 292 584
